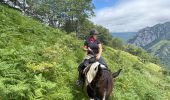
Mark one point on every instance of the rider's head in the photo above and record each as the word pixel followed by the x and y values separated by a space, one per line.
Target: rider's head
pixel 94 33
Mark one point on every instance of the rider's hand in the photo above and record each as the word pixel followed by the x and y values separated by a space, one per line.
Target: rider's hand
pixel 98 56
pixel 89 49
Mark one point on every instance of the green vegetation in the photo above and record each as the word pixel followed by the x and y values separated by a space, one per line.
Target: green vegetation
pixel 144 55
pixel 40 62
pixel 157 46
pixel 68 15
pixel 161 49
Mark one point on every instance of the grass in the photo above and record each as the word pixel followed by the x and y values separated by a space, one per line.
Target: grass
pixel 157 46
pixel 161 50
pixel 39 62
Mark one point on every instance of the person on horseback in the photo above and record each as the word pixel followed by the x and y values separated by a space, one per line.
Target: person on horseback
pixel 93 47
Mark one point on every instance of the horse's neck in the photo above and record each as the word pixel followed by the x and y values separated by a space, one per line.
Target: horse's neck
pixel 100 72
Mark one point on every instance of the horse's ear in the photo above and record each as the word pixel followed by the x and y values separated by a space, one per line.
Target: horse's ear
pixel 99 67
pixel 116 73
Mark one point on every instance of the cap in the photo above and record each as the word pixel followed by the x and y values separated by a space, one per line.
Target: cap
pixel 94 32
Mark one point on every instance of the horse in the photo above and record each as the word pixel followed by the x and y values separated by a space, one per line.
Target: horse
pixel 99 81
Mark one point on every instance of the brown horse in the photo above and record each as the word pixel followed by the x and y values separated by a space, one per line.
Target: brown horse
pixel 99 81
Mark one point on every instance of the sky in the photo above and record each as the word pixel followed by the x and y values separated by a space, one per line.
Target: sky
pixel 130 15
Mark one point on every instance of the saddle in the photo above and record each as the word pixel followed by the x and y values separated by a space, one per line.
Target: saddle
pixel 88 60
pixel 85 65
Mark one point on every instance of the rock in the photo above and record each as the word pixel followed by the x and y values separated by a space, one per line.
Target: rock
pixel 17 4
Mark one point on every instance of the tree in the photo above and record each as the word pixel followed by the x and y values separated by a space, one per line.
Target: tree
pixel 117 43
pixel 77 12
pixel 68 15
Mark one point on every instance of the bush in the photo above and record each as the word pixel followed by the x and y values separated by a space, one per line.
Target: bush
pixel 142 54
pixel 117 43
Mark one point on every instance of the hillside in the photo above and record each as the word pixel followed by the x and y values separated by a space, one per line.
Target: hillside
pixel 156 40
pixel 39 62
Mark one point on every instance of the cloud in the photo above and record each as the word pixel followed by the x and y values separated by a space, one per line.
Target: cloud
pixel 132 15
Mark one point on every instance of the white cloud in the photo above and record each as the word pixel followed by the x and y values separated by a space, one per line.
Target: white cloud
pixel 132 15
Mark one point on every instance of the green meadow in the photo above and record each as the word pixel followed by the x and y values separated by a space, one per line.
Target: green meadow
pixel 38 62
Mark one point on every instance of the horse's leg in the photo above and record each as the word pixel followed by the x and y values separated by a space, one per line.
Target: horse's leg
pixel 107 98
pixel 90 93
pixel 104 95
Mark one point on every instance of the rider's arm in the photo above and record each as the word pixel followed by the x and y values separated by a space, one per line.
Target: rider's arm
pixel 85 48
pixel 100 51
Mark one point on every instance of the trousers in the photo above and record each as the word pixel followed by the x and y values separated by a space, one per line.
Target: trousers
pixel 101 60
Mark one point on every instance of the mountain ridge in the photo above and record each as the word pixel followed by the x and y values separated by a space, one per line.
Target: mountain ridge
pixel 123 35
pixel 148 37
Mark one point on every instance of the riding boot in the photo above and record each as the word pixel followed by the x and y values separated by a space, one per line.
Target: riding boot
pixel 79 81
pixel 82 66
pixel 81 75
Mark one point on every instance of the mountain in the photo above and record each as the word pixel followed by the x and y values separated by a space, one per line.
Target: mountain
pixel 40 62
pixel 123 35
pixel 156 40
pixel 17 4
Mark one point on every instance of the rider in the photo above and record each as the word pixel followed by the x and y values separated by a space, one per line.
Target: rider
pixel 93 47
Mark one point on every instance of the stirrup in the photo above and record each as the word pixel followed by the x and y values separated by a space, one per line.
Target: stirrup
pixel 78 83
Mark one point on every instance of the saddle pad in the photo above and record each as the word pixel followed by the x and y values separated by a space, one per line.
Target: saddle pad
pixel 92 72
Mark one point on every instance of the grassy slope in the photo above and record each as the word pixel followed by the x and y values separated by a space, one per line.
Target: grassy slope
pixel 39 62
pixel 158 45
pixel 159 48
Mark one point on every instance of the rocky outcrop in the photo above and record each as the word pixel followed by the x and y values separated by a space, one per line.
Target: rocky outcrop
pixel 164 53
pixel 151 35
pixel 17 4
